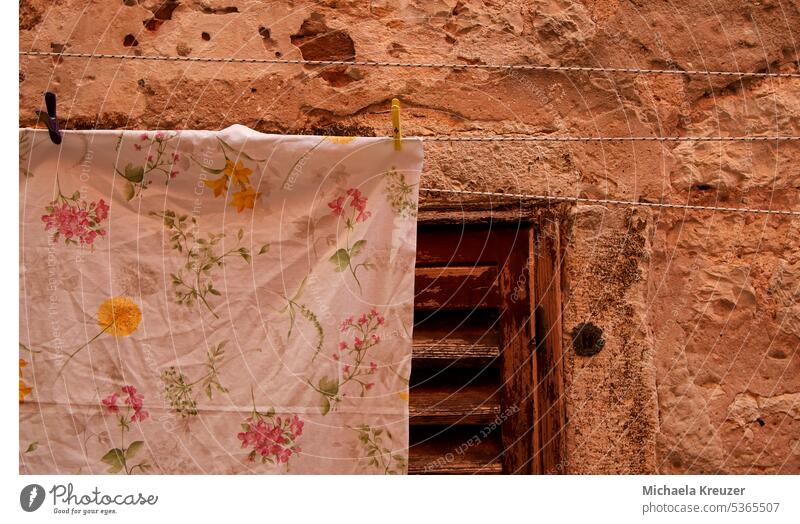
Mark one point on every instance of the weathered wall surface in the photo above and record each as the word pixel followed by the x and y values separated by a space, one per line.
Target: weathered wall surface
pixel 700 371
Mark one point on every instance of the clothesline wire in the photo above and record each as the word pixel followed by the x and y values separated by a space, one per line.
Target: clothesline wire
pixel 521 67
pixel 605 201
pixel 527 138
pixel 546 138
pixel 427 65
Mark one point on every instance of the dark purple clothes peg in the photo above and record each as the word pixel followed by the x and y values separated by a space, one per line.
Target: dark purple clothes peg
pixel 49 118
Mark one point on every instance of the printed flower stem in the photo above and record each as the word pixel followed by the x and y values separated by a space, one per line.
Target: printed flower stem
pixel 71 355
pixel 202 291
pixel 285 183
pixel 118 459
pixel 136 176
pixel 179 392
pixel 193 282
pixel 118 315
pixel 292 304
pixel 380 456
pixel 343 257
pixel 350 259
pixel 365 336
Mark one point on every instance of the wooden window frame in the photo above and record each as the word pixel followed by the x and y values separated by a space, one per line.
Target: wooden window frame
pixel 536 326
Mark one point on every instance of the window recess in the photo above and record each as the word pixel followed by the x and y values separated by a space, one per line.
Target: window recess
pixel 486 392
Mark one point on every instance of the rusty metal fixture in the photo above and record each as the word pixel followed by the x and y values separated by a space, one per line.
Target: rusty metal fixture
pixel 587 339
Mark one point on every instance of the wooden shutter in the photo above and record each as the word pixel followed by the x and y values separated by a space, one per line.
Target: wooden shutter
pixel 477 401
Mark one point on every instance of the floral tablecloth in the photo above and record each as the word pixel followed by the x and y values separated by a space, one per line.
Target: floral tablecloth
pixel 215 302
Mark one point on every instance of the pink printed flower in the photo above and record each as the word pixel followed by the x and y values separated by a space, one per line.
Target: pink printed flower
pixel 364 333
pixel 139 416
pixel 76 220
pixel 136 401
pixel 335 356
pixel 101 210
pixel 271 438
pixel 296 426
pixel 336 206
pixel 173 174
pixel 359 204
pixel 143 136
pixel 110 403
pixel 356 201
pixel 159 135
pixel 137 147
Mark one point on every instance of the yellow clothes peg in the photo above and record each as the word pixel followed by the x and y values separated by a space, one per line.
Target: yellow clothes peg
pixel 396 123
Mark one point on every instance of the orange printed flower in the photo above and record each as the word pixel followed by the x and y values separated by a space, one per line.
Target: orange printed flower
pixel 120 316
pixel 24 390
pixel 244 199
pixel 238 173
pixel 220 185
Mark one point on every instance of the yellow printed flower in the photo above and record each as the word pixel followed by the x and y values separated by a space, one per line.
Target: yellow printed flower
pixel 24 390
pixel 403 395
pixel 220 185
pixel 244 199
pixel 238 173
pixel 120 316
pixel 340 139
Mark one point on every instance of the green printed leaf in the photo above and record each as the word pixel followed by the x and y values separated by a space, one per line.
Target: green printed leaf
pixel 133 173
pixel 133 449
pixel 263 249
pixel 341 259
pixel 33 446
pixel 128 191
pixel 114 458
pixel 212 170
pixel 329 386
pixel 325 406
pixel 239 152
pixel 357 248
pixel 300 289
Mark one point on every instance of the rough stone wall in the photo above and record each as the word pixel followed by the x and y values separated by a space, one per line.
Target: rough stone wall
pixel 700 371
